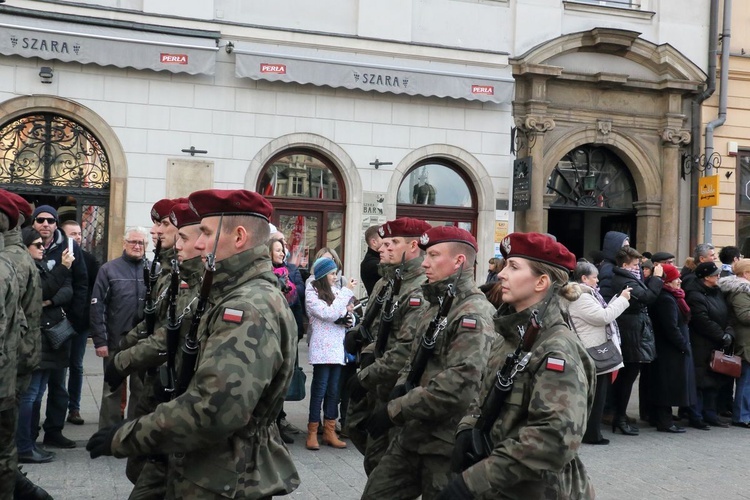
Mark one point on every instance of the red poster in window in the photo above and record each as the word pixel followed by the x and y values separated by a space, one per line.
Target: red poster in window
pixel 298 243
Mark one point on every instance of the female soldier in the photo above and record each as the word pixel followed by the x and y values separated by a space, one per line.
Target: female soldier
pixel 541 423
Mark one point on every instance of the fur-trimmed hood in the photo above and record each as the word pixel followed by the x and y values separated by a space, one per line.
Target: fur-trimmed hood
pixel 734 284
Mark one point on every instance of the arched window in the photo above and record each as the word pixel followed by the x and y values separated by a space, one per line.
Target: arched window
pixel 437 191
pixel 308 197
pixel 52 160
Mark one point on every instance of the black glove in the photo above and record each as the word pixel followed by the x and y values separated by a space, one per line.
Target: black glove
pixel 353 341
pixel 356 390
pixel 727 339
pixel 459 459
pixel 112 376
pixel 397 392
pixel 456 490
pixel 101 442
pixel 379 422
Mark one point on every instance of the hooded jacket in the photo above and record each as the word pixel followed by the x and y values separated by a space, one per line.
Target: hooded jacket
pixel 613 241
pixel 638 343
pixel 737 293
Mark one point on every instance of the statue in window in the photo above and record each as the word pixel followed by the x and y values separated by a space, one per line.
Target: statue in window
pixel 423 193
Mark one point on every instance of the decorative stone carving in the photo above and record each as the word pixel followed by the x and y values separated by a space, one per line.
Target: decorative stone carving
pixel 676 137
pixel 538 124
pixel 604 127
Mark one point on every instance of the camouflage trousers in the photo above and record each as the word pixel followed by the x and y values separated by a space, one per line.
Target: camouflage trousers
pixel 8 455
pixel 146 404
pixel 376 448
pixel 152 482
pixel 356 416
pixel 403 474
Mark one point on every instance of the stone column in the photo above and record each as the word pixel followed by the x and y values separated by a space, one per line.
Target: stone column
pixel 547 202
pixel 672 139
pixel 648 225
pixel 535 127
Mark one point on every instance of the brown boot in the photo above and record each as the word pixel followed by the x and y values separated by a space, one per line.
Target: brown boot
pixel 312 436
pixel 329 435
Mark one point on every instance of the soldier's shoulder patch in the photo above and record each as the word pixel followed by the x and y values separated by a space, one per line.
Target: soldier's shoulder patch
pixel 555 364
pixel 184 285
pixel 232 315
pixel 415 301
pixel 469 322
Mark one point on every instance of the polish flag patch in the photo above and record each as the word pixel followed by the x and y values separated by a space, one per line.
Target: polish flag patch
pixel 184 285
pixel 469 323
pixel 233 315
pixel 555 364
pixel 415 301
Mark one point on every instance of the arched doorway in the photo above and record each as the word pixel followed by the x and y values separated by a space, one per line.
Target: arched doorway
pixel 308 196
pixel 439 192
pixel 51 159
pixel 593 192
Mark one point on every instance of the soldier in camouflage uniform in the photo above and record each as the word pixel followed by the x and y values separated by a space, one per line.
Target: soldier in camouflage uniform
pixel 418 460
pixel 148 353
pixel 400 237
pixel 221 434
pixel 541 423
pixel 9 333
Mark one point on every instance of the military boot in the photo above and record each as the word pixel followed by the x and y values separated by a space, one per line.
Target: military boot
pixel 329 435
pixel 26 490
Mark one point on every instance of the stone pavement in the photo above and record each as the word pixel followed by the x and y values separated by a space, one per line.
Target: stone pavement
pixel 697 465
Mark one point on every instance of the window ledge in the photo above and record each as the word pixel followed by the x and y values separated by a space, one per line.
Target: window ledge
pixel 609 10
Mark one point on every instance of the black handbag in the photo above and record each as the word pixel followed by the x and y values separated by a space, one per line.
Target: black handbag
pixel 606 356
pixel 58 333
pixel 296 391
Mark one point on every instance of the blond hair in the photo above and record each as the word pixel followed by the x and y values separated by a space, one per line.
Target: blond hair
pixel 741 266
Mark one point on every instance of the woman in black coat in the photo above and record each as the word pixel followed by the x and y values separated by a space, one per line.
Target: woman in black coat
pixel 672 378
pixel 709 331
pixel 57 291
pixel 638 346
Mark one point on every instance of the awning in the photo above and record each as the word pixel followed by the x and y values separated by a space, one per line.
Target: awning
pixel 72 41
pixel 353 70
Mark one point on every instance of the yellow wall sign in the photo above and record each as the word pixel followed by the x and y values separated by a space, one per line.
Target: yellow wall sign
pixel 708 191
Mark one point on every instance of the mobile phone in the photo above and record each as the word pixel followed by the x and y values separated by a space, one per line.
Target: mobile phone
pixel 70 246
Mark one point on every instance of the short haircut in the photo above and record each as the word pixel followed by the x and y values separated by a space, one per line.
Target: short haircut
pixel 4 223
pixel 136 229
pixel 701 250
pixel 467 250
pixel 69 222
pixel 728 254
pixel 371 232
pixel 741 266
pixel 626 255
pixel 257 228
pixel 584 269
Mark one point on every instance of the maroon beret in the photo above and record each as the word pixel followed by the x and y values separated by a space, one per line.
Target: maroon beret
pixel 23 206
pixel 538 247
pixel 161 208
pixel 230 202
pixel 9 208
pixel 404 226
pixel 182 215
pixel 444 234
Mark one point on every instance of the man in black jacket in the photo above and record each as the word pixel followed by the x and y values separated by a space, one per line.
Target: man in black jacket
pixel 368 269
pixel 44 220
pixel 117 303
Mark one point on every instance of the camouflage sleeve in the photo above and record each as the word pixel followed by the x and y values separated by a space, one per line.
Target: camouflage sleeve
pixel 495 361
pixel 146 353
pixel 451 390
pixel 385 370
pixel 238 363
pixel 557 412
pixel 139 331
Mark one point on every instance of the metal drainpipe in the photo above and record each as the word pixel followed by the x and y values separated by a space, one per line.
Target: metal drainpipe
pixel 696 117
pixel 719 121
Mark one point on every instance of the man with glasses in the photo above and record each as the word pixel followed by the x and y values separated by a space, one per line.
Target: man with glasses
pixel 117 302
pixel 45 221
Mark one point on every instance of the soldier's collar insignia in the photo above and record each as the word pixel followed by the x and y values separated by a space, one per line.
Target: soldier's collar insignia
pixel 555 364
pixel 424 239
pixel 233 315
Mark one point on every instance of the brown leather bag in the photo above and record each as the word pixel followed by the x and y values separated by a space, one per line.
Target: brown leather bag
pixel 726 364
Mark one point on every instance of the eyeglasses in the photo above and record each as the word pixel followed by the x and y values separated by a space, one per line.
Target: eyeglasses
pixel 136 243
pixel 38 244
pixel 48 220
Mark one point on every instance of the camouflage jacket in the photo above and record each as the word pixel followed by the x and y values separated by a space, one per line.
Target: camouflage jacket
pixel 161 288
pixel 541 424
pixel 30 301
pixel 382 374
pixel 150 351
pixel 9 331
pixel 386 273
pixel 430 412
pixel 221 433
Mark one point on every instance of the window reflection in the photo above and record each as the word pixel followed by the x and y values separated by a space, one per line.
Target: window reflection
pixel 300 176
pixel 434 184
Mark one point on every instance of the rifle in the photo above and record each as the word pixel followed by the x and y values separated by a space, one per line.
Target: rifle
pixel 167 373
pixel 388 309
pixel 515 362
pixel 149 279
pixel 191 346
pixel 427 345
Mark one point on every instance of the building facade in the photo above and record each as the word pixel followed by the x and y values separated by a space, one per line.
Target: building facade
pixel 347 113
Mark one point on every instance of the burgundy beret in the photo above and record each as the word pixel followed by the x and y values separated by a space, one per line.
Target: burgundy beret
pixel 404 226
pixel 23 206
pixel 161 208
pixel 444 234
pixel 182 215
pixel 538 247
pixel 9 208
pixel 230 202
pixel 671 273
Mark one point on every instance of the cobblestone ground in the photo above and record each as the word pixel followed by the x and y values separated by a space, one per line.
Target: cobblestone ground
pixel 696 465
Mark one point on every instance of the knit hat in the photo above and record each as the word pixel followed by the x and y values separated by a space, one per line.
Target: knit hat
pixel 322 267
pixel 44 208
pixel 647 264
pixel 670 273
pixel 29 235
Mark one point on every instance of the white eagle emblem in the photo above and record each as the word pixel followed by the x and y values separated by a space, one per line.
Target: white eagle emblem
pixel 506 245
pixel 381 232
pixel 424 239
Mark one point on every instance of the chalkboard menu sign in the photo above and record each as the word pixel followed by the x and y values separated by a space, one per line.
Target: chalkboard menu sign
pixel 522 184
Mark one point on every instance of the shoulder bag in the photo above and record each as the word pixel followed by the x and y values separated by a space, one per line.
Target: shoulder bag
pixel 296 391
pixel 726 364
pixel 58 333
